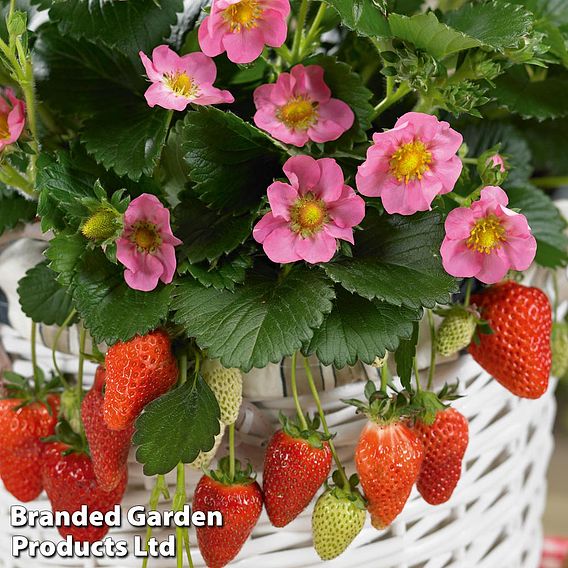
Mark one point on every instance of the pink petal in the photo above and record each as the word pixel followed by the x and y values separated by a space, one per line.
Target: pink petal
pixel 424 126
pixel 166 254
pixel 459 223
pixel 348 210
pixel 460 261
pixel 331 182
pixel 274 28
pixel 266 120
pixel 494 195
pixel 520 251
pixel 281 6
pixel 319 248
pixel 244 46
pixel 146 274
pixel 151 72
pixel 446 143
pixel 165 60
pixel 199 67
pixel 303 173
pixel 262 96
pixel 280 245
pixel 344 233
pixel 398 197
pixel 158 94
pixel 266 225
pixel 209 95
pixel 495 267
pixel 372 176
pixel 281 196
pixel 309 81
pixel 448 172
pixel 211 43
pixel 334 118
pixel 16 121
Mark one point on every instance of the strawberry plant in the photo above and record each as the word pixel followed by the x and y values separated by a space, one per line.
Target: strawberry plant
pixel 225 186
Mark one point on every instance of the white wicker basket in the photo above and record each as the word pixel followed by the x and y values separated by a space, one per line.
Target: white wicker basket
pixel 492 521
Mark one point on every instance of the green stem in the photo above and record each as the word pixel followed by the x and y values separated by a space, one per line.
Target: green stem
pixel 56 339
pixel 178 504
pixel 432 369
pixel 232 452
pixel 28 87
pixel 384 378
pixel 314 30
pixel 187 545
pixel 468 287
pixel 182 362
pixel 34 356
pixel 472 161
pixel 298 34
pixel 556 294
pixel 82 339
pixel 299 412
pixel 160 488
pixel 323 420
pixel 390 87
pixel 390 100
pixel 457 198
pixel 10 176
pixel 551 182
pixel 417 374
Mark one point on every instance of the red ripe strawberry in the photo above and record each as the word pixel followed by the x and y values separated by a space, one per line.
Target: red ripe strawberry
pixel 138 371
pixel 296 465
pixel 517 353
pixel 109 448
pixel 240 504
pixel 21 429
pixel 388 458
pixel 70 482
pixel 445 442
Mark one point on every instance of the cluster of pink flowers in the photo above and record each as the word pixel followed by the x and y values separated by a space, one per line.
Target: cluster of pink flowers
pixel 407 167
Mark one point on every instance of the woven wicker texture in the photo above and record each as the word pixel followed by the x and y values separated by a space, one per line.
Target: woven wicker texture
pixel 492 521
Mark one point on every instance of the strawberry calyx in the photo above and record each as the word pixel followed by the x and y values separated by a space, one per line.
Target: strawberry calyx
pixel 346 493
pixel 311 434
pixel 242 476
pixel 19 387
pixel 64 434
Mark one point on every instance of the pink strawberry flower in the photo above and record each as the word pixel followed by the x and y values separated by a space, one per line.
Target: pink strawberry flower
pixel 243 27
pixel 408 166
pixel 178 81
pixel 146 246
pixel 12 118
pixel 487 239
pixel 298 108
pixel 310 213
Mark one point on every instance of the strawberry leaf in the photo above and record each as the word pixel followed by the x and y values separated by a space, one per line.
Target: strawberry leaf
pixel 176 427
pixel 260 322
pixel 15 209
pixel 404 357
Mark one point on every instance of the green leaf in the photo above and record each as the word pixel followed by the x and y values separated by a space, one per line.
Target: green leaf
pixel 427 33
pixel 348 87
pixel 366 17
pixel 176 427
pixel 15 209
pixel 64 252
pixel 483 135
pixel 554 10
pixel 496 24
pixel 206 234
pixel 110 309
pixel 42 298
pixel 128 137
pixel 397 259
pixel 404 357
pixel 231 162
pixel 539 99
pixel 124 26
pixel 260 322
pixel 549 144
pixel 360 329
pixel 546 222
pixel 224 275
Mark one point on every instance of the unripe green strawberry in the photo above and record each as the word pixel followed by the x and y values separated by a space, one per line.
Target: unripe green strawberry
pixel 205 458
pixel 559 345
pixel 227 386
pixel 101 225
pixel 337 519
pixel 456 331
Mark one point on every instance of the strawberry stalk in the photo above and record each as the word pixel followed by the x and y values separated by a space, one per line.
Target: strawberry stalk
pixel 314 391
pixel 432 369
pixel 34 357
pixel 384 378
pixel 55 343
pixel 180 498
pixel 416 375
pixel 82 338
pixel 232 452
pixel 160 489
pixel 468 292
pixel 299 412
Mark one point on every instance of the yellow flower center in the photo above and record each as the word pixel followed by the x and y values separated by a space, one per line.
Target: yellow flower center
pixel 486 235
pixel 181 84
pixel 146 236
pixel 4 130
pixel 243 14
pixel 298 114
pixel 308 215
pixel 410 161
